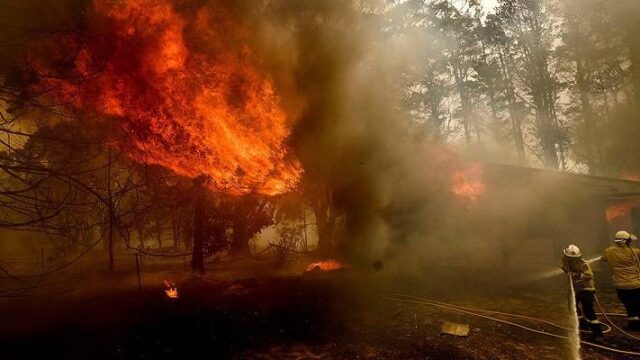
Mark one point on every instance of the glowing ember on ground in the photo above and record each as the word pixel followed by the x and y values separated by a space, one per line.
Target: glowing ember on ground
pixel 184 87
pixel 327 265
pixel 467 184
pixel 170 289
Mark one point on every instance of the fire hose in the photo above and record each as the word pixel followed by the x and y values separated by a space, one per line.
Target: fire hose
pixel 607 330
pixel 604 314
pixel 481 314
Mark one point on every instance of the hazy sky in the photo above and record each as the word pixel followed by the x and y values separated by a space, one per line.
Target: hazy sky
pixel 489 4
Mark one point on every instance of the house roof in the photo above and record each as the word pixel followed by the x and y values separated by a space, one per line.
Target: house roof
pixel 600 186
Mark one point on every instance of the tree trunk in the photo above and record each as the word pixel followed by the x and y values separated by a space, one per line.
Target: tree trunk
pixel 197 259
pixel 325 234
pixel 140 230
pixel 110 242
pixel 465 106
pixel 514 113
pixel 582 82
pixel 159 232
pixel 325 222
pixel 111 211
pixel 240 237
pixel 175 229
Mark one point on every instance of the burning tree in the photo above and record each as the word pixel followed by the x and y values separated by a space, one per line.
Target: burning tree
pixel 184 99
pixel 178 94
pixel 159 86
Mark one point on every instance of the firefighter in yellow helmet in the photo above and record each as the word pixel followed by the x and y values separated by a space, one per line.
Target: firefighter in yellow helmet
pixel 625 266
pixel 584 287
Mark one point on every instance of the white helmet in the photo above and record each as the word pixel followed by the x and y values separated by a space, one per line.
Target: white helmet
pixel 572 251
pixel 623 236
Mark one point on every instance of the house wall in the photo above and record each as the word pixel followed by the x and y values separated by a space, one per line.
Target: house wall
pixel 524 221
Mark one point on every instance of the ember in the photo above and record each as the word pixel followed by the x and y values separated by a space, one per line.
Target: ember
pixel 170 289
pixel 327 265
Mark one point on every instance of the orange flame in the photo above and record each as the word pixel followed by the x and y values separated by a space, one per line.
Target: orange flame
pixel 618 210
pixel 631 177
pixel 170 289
pixel 327 265
pixel 186 91
pixel 467 184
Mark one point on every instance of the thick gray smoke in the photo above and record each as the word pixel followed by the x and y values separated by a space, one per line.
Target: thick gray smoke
pixel 339 72
pixel 339 69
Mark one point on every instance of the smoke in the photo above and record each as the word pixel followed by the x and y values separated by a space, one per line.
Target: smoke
pixel 340 69
pixel 334 70
pixel 337 71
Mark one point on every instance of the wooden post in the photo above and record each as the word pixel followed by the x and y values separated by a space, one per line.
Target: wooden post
pixel 304 222
pixel 138 271
pixel 111 211
pixel 197 258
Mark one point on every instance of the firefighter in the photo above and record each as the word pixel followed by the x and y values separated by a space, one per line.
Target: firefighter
pixel 625 266
pixel 584 287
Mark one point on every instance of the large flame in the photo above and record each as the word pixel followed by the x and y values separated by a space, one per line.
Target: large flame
pixel 620 211
pixel 185 89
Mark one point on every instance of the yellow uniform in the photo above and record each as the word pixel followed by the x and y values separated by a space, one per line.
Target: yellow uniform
pixel 585 289
pixel 626 278
pixel 581 273
pixel 624 265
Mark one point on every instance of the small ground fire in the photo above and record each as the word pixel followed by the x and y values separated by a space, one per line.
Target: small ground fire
pixel 170 290
pixel 327 265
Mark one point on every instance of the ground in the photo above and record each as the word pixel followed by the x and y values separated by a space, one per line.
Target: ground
pixel 285 313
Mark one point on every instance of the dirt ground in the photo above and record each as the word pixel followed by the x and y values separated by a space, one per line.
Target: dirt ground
pixel 230 313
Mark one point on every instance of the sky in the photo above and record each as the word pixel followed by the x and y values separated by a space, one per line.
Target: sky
pixel 489 4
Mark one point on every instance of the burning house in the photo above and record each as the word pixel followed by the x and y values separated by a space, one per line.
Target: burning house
pixel 526 216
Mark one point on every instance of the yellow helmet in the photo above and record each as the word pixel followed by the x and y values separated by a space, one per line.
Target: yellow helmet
pixel 623 236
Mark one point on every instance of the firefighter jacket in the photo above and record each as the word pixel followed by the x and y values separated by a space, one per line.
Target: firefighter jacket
pixel 624 265
pixel 581 273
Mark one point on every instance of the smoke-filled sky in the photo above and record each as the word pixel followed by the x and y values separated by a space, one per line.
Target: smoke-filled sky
pixel 489 4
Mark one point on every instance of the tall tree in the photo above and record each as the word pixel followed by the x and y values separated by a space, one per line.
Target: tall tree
pixel 496 71
pixel 528 25
pixel 462 51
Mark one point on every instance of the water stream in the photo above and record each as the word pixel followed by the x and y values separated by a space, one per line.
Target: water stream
pixel 557 271
pixel 574 333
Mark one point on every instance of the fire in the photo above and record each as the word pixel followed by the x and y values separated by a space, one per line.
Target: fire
pixel 631 177
pixel 618 210
pixel 170 289
pixel 467 184
pixel 185 90
pixel 327 265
